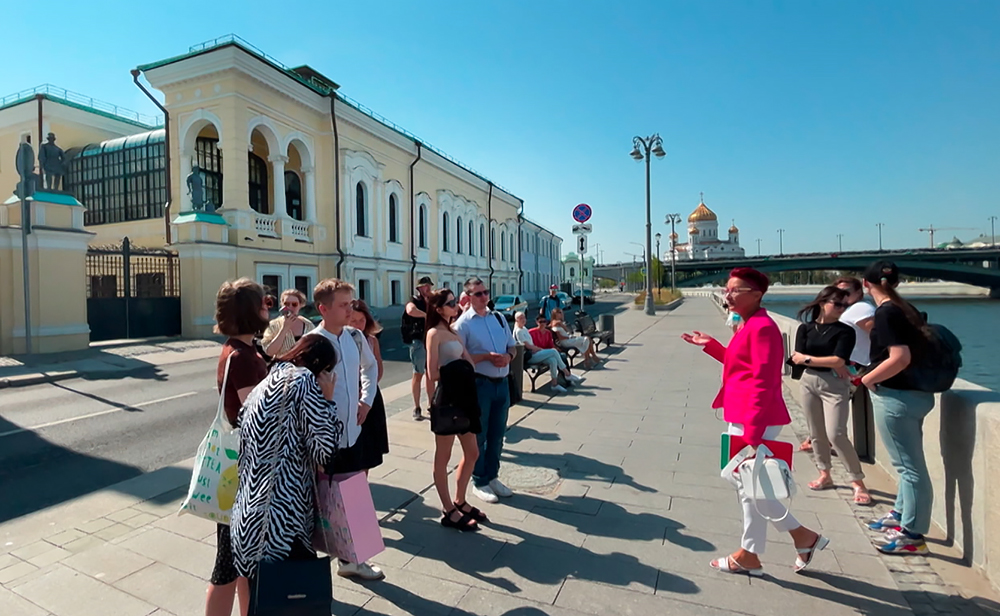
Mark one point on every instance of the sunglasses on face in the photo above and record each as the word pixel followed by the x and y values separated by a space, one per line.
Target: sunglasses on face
pixel 485 293
pixel 841 305
pixel 451 303
pixel 736 290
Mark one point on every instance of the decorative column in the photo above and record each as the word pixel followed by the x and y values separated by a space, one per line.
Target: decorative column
pixel 309 198
pixel 278 171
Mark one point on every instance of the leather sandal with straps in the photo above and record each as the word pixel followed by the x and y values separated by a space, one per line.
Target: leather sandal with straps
pixel 466 523
pixel 474 512
pixel 805 556
pixel 728 564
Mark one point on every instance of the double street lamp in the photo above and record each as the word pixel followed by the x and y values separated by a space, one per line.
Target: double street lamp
pixel 645 149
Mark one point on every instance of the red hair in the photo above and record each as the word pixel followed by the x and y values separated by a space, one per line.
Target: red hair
pixel 755 278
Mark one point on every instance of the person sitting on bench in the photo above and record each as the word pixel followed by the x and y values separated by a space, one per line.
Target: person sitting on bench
pixel 566 340
pixel 541 350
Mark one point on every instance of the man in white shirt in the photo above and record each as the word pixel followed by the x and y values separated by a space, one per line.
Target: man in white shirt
pixel 356 372
pixel 488 340
pixel 860 316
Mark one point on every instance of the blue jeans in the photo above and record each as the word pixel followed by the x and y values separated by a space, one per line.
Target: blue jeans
pixel 899 416
pixel 494 406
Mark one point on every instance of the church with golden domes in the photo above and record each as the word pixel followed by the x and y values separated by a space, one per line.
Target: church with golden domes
pixel 703 238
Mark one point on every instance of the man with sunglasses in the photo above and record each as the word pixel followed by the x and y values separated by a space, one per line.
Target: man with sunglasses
pixel 489 341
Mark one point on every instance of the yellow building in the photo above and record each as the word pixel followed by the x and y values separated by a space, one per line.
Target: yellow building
pixel 300 183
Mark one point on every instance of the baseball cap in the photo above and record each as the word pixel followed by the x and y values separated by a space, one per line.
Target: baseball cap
pixel 425 280
pixel 555 286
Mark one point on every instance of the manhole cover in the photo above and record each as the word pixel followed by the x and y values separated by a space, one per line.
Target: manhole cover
pixel 529 479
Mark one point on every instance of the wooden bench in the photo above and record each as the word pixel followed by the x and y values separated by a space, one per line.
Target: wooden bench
pixel 587 327
pixel 536 371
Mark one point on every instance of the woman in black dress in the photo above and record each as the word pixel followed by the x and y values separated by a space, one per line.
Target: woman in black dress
pixel 374 438
pixel 454 409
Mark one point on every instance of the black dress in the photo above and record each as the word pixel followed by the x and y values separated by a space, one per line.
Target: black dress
pixel 457 390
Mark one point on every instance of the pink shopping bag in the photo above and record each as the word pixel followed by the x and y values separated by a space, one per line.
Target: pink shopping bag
pixel 346 522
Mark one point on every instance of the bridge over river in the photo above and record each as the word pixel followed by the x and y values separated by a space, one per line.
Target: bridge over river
pixel 975 266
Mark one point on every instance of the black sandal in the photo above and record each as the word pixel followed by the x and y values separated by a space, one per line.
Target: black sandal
pixel 462 524
pixel 472 512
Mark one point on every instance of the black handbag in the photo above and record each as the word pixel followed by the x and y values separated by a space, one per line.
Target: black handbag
pixel 297 586
pixel 292 588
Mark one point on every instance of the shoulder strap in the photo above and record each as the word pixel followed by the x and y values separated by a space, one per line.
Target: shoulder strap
pixel 499 318
pixel 222 391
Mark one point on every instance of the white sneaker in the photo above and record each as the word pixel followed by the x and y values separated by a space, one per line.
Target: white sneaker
pixel 361 570
pixel 575 379
pixel 485 494
pixel 559 389
pixel 500 489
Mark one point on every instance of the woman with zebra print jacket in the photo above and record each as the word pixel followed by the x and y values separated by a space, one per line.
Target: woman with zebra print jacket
pixel 289 428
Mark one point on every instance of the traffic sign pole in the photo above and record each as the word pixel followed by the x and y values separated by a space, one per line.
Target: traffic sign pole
pixel 581 214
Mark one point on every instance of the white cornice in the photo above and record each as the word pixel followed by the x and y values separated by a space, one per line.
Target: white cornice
pixel 53 109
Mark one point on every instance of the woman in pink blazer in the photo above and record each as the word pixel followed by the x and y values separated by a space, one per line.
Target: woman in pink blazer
pixel 752 403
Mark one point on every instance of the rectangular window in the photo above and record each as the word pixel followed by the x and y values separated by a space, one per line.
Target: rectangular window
pixel 302 284
pixel 150 285
pixel 271 284
pixel 396 292
pixel 103 286
pixel 364 289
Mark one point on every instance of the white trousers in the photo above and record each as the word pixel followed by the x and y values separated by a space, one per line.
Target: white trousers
pixel 754 524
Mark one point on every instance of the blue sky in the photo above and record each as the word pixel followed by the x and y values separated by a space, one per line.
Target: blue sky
pixel 816 117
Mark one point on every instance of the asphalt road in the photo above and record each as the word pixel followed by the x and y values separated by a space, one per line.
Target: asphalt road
pixel 70 438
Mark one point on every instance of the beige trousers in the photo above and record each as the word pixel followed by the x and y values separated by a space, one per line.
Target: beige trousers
pixel 826 399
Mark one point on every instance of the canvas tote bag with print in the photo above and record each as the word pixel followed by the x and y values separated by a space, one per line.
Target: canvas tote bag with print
pixel 214 477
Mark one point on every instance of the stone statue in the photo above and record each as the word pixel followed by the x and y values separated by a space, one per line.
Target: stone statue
pixel 196 188
pixel 50 159
pixel 25 165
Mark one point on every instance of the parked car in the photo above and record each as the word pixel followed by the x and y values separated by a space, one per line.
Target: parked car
pixel 507 305
pixel 588 296
pixel 564 299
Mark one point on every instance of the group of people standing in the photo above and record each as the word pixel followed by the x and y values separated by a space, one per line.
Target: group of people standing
pixel 842 340
pixel 305 399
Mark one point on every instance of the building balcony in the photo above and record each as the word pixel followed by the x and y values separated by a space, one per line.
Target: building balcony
pixel 272 226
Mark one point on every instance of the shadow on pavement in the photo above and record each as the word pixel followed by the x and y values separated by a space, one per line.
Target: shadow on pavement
pixel 518 433
pixel 564 463
pixel 36 473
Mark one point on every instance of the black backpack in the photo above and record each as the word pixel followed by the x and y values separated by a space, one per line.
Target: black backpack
pixel 935 369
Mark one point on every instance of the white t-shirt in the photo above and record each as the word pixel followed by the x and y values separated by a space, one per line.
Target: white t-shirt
pixel 522 335
pixel 862 344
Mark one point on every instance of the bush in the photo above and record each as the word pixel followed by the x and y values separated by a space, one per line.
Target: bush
pixel 660 297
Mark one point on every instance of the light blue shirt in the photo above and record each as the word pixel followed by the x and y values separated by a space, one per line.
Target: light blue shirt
pixel 485 334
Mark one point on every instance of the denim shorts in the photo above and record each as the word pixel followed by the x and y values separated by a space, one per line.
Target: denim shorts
pixel 418 356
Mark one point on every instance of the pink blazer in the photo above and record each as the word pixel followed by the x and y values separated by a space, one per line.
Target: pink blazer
pixel 752 366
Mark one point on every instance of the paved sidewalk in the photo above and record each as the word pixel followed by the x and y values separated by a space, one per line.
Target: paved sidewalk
pixel 619 508
pixel 102 361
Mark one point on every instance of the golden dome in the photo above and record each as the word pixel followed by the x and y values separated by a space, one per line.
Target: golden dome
pixel 693 231
pixel 702 214
pixel 734 229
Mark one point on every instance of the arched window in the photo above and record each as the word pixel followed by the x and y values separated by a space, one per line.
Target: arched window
pixel 572 272
pixel 493 243
pixel 293 195
pixel 503 246
pixel 458 235
pixel 423 227
pixel 393 219
pixel 209 159
pixel 444 232
pixel 472 243
pixel 257 185
pixel 482 240
pixel 361 209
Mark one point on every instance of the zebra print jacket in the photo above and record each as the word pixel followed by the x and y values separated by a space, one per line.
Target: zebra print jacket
pixel 310 436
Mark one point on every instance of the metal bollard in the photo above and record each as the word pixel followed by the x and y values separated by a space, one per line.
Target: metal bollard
pixel 607 324
pixel 515 378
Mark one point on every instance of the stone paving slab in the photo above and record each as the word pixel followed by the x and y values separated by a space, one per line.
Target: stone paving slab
pixel 619 508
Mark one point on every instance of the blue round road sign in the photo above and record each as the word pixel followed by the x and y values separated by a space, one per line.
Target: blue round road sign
pixel 581 213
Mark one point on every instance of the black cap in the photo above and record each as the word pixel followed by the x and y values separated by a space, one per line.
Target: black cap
pixel 425 280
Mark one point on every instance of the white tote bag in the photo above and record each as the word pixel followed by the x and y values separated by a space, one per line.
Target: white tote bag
pixel 214 478
pixel 762 477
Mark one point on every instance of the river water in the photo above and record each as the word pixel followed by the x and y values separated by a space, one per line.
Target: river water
pixel 975 320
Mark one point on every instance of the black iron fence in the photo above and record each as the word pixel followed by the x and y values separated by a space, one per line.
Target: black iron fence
pixel 132 292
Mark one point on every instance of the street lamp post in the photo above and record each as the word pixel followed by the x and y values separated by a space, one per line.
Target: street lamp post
pixel 642 149
pixel 840 239
pixel 781 242
pixel 993 232
pixel 758 246
pixel 880 225
pixel 673 219
pixel 658 262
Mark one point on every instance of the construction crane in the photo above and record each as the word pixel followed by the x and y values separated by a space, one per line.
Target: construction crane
pixel 931 229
